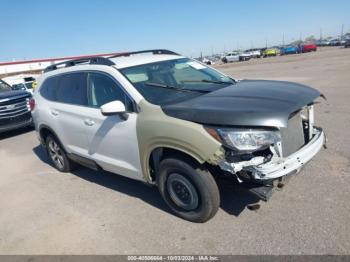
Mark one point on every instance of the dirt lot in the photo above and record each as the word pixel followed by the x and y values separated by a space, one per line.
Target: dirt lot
pixel 46 212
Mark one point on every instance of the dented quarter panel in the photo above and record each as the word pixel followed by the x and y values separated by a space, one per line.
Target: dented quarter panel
pixel 155 129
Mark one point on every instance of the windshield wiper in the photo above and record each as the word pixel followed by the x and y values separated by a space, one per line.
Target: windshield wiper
pixel 207 81
pixel 175 88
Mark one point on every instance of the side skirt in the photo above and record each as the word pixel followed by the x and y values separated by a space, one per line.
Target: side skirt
pixel 84 161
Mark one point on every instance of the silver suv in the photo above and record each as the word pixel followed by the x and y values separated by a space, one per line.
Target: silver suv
pixel 173 122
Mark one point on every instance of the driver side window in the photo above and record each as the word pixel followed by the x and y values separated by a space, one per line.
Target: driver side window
pixel 103 89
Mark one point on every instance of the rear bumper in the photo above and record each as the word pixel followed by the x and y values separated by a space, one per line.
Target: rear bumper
pixel 291 164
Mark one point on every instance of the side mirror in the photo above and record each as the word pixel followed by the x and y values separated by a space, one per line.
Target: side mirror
pixel 114 108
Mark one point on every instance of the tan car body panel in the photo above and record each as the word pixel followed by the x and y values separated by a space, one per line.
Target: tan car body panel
pixel 155 129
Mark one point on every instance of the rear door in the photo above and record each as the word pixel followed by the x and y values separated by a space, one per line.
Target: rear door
pixel 67 110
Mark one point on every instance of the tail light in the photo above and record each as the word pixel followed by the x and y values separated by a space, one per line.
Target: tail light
pixel 31 104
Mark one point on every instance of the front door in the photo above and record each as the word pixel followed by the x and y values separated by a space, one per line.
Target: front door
pixel 112 140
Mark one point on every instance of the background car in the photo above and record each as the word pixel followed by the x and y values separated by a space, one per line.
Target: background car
pixel 335 42
pixel 27 86
pixel 254 53
pixel 208 61
pixel 308 48
pixel 231 57
pixel 21 82
pixel 347 43
pixel 290 50
pixel 323 42
pixel 14 108
pixel 270 52
pixel 245 56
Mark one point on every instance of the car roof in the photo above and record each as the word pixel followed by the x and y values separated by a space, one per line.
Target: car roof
pixel 140 59
pixel 119 61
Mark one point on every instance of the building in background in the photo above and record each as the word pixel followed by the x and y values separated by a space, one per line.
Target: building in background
pixel 38 65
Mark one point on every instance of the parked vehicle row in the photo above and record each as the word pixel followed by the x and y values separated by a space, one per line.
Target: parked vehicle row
pixel 267 52
pixel 334 41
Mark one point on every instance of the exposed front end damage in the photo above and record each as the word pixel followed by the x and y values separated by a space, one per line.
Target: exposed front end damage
pixel 262 171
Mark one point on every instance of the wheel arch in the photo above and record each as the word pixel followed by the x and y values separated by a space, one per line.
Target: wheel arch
pixel 44 132
pixel 158 153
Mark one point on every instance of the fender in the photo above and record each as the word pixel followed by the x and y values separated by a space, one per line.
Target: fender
pixel 156 129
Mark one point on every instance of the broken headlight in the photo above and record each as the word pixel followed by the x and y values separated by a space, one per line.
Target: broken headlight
pixel 246 139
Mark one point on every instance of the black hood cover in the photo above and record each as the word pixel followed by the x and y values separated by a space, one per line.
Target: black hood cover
pixel 13 94
pixel 247 103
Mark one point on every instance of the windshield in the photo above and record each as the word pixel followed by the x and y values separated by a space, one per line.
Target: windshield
pixel 174 80
pixel 4 87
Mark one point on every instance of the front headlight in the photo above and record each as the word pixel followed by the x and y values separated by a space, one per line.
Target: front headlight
pixel 246 139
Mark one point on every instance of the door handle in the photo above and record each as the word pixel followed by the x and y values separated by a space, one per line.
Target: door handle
pixel 54 113
pixel 89 122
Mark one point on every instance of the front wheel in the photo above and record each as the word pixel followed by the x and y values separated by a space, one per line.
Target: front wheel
pixel 188 189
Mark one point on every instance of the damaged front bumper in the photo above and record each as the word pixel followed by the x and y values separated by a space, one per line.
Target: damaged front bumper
pixel 279 166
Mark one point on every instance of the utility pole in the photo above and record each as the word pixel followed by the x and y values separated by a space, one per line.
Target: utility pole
pixel 321 33
pixel 266 42
pixel 342 32
pixel 283 39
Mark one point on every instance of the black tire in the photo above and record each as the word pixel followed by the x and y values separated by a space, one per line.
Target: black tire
pixel 200 199
pixel 57 155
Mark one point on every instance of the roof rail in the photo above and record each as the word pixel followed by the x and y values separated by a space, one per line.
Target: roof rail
pixel 153 51
pixel 97 60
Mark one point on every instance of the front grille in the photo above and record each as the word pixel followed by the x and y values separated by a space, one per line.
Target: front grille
pixel 13 121
pixel 13 108
pixel 293 136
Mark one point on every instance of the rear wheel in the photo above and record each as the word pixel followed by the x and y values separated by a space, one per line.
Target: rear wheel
pixel 57 155
pixel 189 190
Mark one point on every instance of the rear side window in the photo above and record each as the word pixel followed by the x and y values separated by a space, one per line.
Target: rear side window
pixel 72 89
pixel 68 88
pixel 49 87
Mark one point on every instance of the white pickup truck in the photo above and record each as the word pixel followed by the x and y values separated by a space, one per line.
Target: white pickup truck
pixel 254 53
pixel 235 57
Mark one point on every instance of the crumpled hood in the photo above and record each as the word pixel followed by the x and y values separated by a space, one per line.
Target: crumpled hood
pixel 13 94
pixel 247 103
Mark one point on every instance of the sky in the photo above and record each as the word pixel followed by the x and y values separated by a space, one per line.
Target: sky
pixel 32 29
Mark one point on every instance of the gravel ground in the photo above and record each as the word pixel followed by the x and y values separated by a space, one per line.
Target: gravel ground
pixel 87 212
